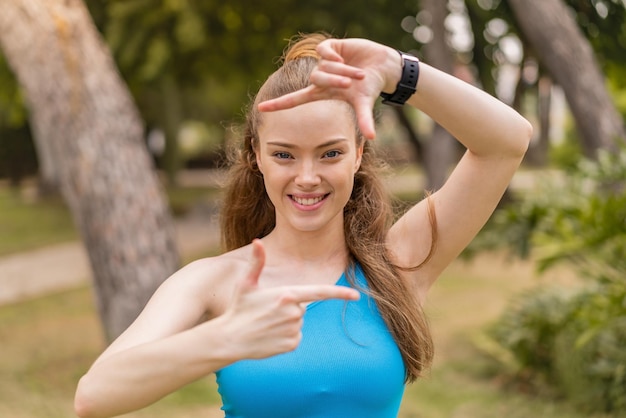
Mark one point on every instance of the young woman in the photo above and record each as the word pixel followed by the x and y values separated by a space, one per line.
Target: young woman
pixel 315 309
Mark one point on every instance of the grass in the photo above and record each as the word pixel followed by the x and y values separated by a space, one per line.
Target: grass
pixel 49 342
pixel 183 199
pixel 28 223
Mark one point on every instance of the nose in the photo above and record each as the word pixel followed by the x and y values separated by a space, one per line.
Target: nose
pixel 307 175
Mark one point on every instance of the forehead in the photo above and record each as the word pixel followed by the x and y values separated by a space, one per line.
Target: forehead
pixel 309 123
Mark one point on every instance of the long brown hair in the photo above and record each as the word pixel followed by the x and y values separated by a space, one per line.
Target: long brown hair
pixel 248 213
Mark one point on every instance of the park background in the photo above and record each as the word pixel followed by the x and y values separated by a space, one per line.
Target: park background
pixel 114 121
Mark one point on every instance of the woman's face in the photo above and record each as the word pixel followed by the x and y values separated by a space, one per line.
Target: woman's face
pixel 308 156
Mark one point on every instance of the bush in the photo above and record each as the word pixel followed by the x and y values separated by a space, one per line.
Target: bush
pixel 580 218
pixel 566 154
pixel 573 341
pixel 567 343
pixel 591 365
pixel 527 332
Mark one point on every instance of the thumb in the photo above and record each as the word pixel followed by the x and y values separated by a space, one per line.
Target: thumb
pixel 256 265
pixel 330 49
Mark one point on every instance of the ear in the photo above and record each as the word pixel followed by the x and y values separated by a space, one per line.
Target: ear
pixel 258 162
pixel 258 159
pixel 359 155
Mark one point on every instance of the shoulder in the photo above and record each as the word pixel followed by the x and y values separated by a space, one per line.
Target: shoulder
pixel 212 279
pixel 218 267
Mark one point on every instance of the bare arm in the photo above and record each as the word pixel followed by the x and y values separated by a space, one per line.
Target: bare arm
pixel 496 138
pixel 160 352
pixel 164 350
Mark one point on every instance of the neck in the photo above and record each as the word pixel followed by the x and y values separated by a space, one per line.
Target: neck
pixel 322 246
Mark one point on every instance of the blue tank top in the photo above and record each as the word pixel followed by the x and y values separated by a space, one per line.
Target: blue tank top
pixel 347 365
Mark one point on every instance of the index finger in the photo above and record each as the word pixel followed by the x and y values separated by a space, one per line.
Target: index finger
pixel 311 293
pixel 288 100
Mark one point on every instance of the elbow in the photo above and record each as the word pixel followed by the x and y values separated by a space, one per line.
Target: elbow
pixel 520 141
pixel 527 131
pixel 81 409
pixel 509 142
pixel 84 406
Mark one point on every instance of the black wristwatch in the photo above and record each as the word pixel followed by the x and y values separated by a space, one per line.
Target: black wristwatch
pixel 407 84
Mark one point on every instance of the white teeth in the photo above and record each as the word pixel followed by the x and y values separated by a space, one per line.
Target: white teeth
pixel 307 201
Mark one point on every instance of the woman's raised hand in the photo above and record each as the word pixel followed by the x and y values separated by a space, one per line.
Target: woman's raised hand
pixel 268 321
pixel 353 70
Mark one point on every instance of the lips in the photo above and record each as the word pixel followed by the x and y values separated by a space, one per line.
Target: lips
pixel 308 201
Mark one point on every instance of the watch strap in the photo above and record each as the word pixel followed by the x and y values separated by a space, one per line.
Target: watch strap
pixel 407 84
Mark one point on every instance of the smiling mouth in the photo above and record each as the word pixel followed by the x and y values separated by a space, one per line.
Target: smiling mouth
pixel 308 201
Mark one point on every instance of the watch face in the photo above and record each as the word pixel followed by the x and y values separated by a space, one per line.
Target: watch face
pixel 409 57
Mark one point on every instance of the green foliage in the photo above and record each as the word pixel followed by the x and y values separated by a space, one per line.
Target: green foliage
pixel 199 60
pixel 217 52
pixel 487 53
pixel 567 154
pixel 565 341
pixel 619 96
pixel 604 23
pixel 17 152
pixel 591 365
pixel 235 42
pixel 12 110
pixel 577 216
pixel 585 220
pixel 574 341
pixel 526 333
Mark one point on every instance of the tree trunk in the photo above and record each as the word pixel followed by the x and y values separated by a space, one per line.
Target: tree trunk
pixel 567 55
pixel 48 176
pixel 440 150
pixel 81 109
pixel 483 66
pixel 537 154
pixel 172 117
pixel 411 132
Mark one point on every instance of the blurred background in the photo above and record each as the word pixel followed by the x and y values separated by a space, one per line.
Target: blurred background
pixel 115 121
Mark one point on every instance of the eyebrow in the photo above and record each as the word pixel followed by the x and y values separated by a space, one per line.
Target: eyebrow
pixel 323 145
